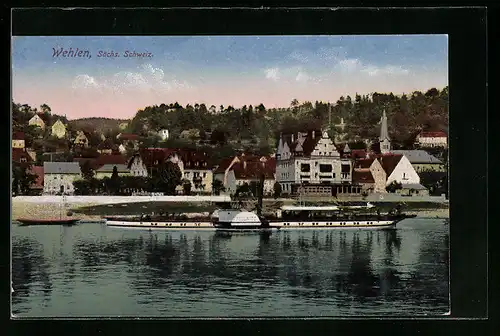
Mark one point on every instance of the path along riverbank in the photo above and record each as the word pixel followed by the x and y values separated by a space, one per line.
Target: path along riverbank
pixel 95 210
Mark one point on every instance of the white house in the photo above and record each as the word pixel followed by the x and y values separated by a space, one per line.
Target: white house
pixel 163 134
pixel 432 139
pixel 38 120
pixel 310 158
pixel 59 177
pixel 398 168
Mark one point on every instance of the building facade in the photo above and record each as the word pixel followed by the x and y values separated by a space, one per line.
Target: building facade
pixel 18 140
pixel 432 139
pixel 37 120
pixel 59 177
pixel 310 158
pixel 81 139
pixel 58 129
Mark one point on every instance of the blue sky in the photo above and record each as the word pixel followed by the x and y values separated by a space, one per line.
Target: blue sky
pixel 234 70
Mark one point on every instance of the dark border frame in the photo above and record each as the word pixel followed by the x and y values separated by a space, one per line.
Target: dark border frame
pixel 468 117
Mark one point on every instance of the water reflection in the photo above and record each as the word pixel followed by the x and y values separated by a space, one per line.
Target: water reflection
pixel 29 272
pixel 344 269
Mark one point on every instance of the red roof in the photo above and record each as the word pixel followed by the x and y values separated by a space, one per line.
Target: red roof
pixel 253 170
pixel 193 159
pixel 128 136
pixel 38 171
pixel 438 134
pixel 110 159
pixel 82 161
pixel 363 163
pixel 358 153
pixel 18 154
pixel 362 177
pixel 18 136
pixel 389 162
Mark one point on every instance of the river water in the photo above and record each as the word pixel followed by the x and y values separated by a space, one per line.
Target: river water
pixel 91 270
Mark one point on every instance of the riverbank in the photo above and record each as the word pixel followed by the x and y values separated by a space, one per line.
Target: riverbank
pixel 95 211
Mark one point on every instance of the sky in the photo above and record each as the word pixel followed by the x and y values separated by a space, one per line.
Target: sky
pixel 218 70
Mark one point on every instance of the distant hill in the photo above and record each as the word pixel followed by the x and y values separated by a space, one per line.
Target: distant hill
pixel 101 125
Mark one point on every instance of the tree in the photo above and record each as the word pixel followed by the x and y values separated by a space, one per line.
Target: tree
pixel 114 182
pixel 45 108
pixel 87 170
pixel 166 177
pixel 186 187
pixel 22 178
pixel 393 186
pixel 218 187
pixel 277 190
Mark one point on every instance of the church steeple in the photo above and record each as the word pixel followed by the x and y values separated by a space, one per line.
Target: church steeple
pixel 385 141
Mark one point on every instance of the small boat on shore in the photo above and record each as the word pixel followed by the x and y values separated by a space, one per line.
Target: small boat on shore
pixel 52 221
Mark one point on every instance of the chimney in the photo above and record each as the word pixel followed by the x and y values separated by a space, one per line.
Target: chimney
pixel 245 164
pixel 293 137
pixel 313 134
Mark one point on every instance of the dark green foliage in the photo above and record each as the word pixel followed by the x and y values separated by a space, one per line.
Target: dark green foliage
pixel 277 190
pixel 393 186
pixel 218 187
pixel 22 178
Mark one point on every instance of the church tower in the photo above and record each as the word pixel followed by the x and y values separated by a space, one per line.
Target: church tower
pixel 385 141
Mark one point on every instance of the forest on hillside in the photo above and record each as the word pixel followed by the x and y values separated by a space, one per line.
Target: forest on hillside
pixel 407 114
pixel 98 124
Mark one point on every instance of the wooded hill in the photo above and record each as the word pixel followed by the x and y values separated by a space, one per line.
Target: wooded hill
pixel 98 124
pixel 407 115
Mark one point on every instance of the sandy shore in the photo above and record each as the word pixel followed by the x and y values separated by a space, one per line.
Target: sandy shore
pixel 47 210
pixel 431 213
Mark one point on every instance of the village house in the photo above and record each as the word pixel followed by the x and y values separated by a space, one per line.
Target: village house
pixel 399 169
pixel 39 119
pixel 432 139
pixel 59 177
pixel 106 170
pixel 107 147
pixel 81 139
pixel 129 140
pixel 58 129
pixel 310 159
pixel 19 155
pixel 163 134
pixel 18 140
pixel 248 170
pixel 194 166
pixel 370 175
pixel 422 161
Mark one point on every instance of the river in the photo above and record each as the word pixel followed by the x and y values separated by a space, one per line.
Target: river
pixel 91 270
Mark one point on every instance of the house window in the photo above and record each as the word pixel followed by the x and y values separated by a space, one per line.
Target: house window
pixel 204 174
pixel 305 167
pixel 325 168
pixel 404 176
pixel 344 175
